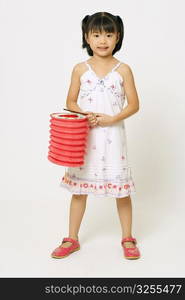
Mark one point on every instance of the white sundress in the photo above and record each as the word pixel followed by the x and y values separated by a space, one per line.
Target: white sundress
pixel 105 171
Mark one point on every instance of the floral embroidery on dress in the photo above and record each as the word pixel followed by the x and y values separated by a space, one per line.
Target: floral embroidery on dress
pixel 84 94
pixel 118 94
pixel 109 141
pixel 86 88
pixel 90 99
pixel 101 85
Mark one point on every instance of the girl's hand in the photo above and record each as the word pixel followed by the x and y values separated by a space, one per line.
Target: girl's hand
pixel 91 118
pixel 104 120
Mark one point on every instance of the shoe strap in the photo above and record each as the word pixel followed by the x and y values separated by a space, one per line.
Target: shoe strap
pixel 129 239
pixel 67 239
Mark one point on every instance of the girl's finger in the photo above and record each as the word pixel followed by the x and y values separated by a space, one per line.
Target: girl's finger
pixel 90 116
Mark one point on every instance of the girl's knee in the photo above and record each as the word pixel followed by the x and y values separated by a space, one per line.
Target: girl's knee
pixel 126 198
pixel 77 196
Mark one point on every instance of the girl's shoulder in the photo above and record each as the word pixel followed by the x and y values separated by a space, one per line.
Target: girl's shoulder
pixel 125 70
pixel 80 68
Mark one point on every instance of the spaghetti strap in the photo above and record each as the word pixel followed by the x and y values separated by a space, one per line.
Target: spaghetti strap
pixel 116 66
pixel 89 67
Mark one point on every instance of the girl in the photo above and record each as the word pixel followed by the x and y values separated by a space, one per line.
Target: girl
pixel 99 86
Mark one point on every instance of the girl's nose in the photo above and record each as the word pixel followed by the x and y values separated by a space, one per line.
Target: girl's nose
pixel 102 39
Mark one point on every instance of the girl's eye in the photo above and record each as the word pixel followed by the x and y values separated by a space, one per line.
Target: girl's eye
pixel 97 35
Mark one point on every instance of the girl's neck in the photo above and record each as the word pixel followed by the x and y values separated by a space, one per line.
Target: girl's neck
pixel 102 60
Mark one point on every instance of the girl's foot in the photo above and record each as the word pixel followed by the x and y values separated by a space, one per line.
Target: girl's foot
pixel 129 244
pixel 129 248
pixel 67 244
pixel 63 250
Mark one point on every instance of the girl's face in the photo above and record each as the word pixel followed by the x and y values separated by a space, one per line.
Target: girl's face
pixel 102 44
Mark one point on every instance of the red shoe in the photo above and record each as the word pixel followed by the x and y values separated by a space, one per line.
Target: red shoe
pixel 61 252
pixel 130 253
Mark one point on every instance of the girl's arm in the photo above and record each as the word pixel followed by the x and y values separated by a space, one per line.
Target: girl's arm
pixel 131 95
pixel 71 101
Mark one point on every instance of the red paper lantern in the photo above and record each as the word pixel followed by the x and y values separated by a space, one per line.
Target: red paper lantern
pixel 68 137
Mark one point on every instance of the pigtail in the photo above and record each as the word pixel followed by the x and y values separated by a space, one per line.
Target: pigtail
pixel 84 25
pixel 121 27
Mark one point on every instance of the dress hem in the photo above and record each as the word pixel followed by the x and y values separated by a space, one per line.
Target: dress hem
pixel 81 191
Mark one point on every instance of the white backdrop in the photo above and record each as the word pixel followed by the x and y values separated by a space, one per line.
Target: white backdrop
pixel 40 44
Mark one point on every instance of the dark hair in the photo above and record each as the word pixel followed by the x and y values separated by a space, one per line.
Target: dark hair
pixel 102 21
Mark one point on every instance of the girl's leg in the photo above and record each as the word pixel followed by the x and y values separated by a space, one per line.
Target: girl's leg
pixel 77 209
pixel 124 207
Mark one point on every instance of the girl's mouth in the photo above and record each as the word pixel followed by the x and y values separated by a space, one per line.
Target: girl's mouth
pixel 102 48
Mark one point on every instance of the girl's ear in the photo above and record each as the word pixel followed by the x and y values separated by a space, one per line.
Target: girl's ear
pixel 118 35
pixel 86 38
